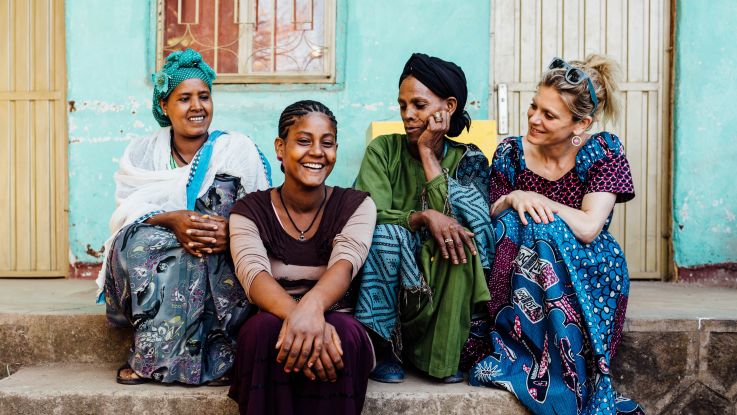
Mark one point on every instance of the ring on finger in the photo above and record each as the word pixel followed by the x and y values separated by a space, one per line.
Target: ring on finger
pixel 438 117
pixel 448 240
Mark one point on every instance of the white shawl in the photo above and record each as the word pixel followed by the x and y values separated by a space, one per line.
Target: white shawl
pixel 145 182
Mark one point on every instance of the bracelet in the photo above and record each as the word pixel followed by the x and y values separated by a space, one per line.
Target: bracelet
pixel 409 225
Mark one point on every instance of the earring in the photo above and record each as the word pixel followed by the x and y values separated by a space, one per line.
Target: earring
pixel 165 114
pixel 576 140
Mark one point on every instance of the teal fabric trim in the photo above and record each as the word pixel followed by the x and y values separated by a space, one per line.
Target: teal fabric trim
pixel 199 169
pixel 101 296
pixel 266 164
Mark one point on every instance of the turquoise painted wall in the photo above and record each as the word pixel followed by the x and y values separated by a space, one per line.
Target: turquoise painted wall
pixel 705 148
pixel 110 54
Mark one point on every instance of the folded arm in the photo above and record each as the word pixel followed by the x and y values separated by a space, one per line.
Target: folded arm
pixel 585 223
pixel 305 340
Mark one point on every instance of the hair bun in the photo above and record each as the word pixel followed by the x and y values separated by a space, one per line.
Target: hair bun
pixel 606 74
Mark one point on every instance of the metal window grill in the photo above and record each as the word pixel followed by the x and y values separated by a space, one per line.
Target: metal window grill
pixel 253 41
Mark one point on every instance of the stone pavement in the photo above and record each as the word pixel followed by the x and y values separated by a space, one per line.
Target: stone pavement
pixel 678 355
pixel 75 388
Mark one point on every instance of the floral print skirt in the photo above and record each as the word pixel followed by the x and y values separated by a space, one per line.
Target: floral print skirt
pixel 185 311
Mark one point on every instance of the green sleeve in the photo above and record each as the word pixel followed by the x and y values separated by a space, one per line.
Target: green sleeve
pixel 373 178
pixel 436 192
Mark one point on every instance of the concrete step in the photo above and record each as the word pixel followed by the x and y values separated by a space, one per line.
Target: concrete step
pixel 91 389
pixel 53 321
pixel 676 354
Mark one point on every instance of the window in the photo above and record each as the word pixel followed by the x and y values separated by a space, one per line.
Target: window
pixel 253 41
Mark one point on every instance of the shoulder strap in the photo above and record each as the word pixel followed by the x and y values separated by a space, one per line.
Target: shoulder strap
pixel 265 163
pixel 199 169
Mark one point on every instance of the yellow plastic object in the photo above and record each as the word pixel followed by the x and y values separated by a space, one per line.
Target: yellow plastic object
pixel 482 134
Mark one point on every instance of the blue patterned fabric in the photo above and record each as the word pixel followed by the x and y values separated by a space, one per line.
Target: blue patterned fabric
pixel 202 160
pixel 391 262
pixel 185 311
pixel 588 155
pixel 562 292
pixel 393 258
pixel 558 305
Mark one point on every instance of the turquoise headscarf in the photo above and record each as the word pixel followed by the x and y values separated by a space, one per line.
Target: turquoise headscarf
pixel 180 66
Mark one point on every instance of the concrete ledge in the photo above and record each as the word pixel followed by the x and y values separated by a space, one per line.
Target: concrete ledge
pixel 81 338
pixel 91 389
pixel 55 321
pixel 677 353
pixel 423 397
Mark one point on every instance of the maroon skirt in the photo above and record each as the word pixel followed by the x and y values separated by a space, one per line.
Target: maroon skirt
pixel 260 385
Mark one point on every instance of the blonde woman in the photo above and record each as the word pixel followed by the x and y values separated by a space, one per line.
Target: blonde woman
pixel 559 283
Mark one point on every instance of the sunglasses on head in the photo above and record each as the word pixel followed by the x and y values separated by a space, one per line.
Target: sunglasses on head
pixel 575 76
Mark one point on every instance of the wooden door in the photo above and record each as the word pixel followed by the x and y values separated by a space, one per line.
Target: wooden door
pixel 33 139
pixel 527 34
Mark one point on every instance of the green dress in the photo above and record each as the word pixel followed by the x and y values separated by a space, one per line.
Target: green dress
pixel 433 327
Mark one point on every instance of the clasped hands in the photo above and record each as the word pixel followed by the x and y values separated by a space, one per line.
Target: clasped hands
pixel 198 234
pixel 309 344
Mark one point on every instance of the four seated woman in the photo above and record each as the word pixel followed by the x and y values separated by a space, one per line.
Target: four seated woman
pixel 558 280
pixel 168 272
pixel 296 249
pixel 559 283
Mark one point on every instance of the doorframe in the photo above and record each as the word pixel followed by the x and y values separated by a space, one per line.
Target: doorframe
pixel 670 59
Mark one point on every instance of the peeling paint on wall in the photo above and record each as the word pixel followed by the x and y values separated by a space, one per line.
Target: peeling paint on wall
pixel 99 107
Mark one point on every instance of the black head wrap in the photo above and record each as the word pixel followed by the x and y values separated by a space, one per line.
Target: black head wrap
pixel 445 79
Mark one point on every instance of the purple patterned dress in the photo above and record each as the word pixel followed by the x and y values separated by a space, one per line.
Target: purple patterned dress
pixel 557 304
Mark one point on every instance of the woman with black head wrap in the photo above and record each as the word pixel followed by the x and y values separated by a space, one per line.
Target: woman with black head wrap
pixel 434 236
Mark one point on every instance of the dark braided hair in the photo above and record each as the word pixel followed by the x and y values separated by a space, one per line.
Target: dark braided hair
pixel 299 109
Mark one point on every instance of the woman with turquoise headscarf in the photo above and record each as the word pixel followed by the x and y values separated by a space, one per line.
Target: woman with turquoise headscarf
pixel 168 272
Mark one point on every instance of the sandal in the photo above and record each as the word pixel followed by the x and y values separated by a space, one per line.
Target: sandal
pixel 388 371
pixel 454 378
pixel 137 380
pixel 221 381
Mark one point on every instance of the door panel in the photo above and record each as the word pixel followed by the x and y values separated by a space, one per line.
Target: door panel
pixel 33 139
pixel 527 34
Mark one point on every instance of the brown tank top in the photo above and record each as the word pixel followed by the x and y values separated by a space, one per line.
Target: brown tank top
pixel 279 244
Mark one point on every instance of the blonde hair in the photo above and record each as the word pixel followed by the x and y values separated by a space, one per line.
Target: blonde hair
pixel 604 73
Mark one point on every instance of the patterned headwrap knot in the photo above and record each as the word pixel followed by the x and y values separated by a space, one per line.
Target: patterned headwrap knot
pixel 445 79
pixel 180 66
